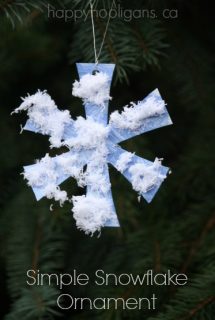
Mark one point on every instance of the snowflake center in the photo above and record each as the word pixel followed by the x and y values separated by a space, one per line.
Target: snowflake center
pixel 89 135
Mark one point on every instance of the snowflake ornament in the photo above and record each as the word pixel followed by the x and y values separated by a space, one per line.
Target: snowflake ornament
pixel 93 142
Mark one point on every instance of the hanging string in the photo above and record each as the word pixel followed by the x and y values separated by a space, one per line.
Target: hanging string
pixel 93 30
pixel 106 29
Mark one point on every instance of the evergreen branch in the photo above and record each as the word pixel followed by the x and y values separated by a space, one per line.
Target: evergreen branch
pixel 38 237
pixel 121 46
pixel 199 307
pixel 5 3
pixel 34 249
pixel 140 39
pixel 197 243
pixel 157 267
pixel 38 303
pixel 16 10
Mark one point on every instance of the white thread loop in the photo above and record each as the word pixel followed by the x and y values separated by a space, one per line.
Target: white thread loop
pixel 93 30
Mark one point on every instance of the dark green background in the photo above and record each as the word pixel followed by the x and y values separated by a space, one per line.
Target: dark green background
pixel 177 230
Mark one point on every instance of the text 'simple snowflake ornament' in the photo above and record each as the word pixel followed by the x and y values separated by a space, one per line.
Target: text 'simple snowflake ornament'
pixel 93 142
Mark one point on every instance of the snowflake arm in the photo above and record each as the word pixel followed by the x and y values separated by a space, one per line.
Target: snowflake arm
pixel 96 209
pixel 146 115
pixel 46 118
pixel 145 176
pixel 47 174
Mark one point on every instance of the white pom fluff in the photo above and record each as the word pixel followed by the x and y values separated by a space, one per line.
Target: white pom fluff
pixel 88 134
pixel 144 178
pixel 40 99
pixel 53 192
pixel 123 161
pixel 45 116
pixel 132 116
pixel 91 212
pixel 46 176
pixel 93 88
